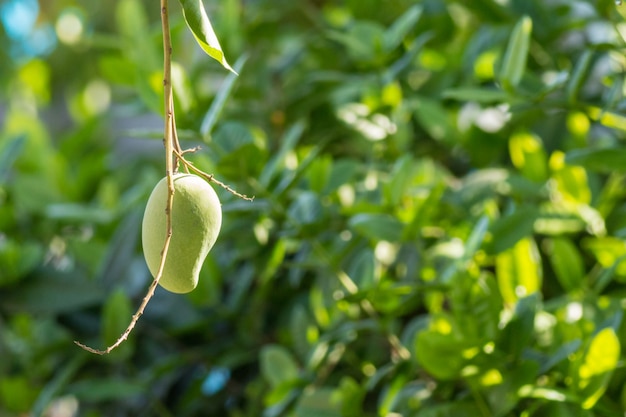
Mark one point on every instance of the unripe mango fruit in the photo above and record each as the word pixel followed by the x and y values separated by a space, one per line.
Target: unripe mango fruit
pixel 196 222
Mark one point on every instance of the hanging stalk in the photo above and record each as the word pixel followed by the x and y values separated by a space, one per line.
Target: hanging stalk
pixel 169 143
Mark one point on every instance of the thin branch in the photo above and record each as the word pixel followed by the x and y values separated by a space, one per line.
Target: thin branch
pixel 140 310
pixel 210 177
pixel 175 142
pixel 171 141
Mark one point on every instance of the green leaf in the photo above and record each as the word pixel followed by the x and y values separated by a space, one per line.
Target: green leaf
pixel 377 226
pixel 200 25
pixel 57 384
pixel 53 292
pixel 516 54
pixel 577 76
pixel 480 95
pixel 17 259
pixel 306 209
pixel 299 324
pixel 562 353
pixel 133 24
pixel 566 262
pixel 217 105
pixel 519 271
pixel 401 176
pixel 362 268
pixel 609 252
pixel 440 351
pixel 278 365
pixel 571 181
pixel 116 316
pixel 518 332
pixel 392 392
pixel 528 155
pixel 351 396
pixel 10 150
pixel 508 230
pixel 401 27
pixel 600 360
pixel 454 409
pixel 605 160
pixel 17 394
pixel 435 119
pixel 319 403
pixel 288 143
pixel 109 389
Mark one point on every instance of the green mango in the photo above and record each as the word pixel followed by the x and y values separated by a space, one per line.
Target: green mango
pixel 196 222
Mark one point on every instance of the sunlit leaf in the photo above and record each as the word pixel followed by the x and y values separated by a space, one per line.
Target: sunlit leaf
pixel 599 362
pixel 519 270
pixel 528 155
pixel 200 25
pixel 514 63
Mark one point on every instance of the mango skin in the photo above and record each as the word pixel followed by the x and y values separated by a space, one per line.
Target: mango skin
pixel 196 223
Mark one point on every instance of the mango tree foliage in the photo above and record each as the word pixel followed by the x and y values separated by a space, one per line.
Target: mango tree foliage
pixel 437 229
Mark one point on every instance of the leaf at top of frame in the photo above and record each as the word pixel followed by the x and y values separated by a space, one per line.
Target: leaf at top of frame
pixel 198 22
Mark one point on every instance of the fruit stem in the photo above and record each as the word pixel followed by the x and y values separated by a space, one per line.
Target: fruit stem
pixel 208 177
pixel 172 150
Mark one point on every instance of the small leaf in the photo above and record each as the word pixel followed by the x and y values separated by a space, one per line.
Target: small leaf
pixel 17 394
pixel 401 176
pixel 362 268
pixel 508 230
pixel 306 209
pixel 439 349
pixel 519 271
pixel 217 105
pixel 605 160
pixel 518 332
pixel 561 354
pixel 609 253
pixel 377 226
pixel 571 181
pixel 598 365
pixel 480 95
pixel 116 315
pixel 278 365
pixel 566 262
pixel 288 142
pixel 475 239
pixel 319 403
pixel 528 155
pixel 200 25
pixel 401 27
pixel 9 152
pixel 109 389
pixel 580 72
pixel 451 409
pixel 435 119
pixel 516 54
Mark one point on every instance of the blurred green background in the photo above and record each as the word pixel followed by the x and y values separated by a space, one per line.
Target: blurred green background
pixel 438 227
